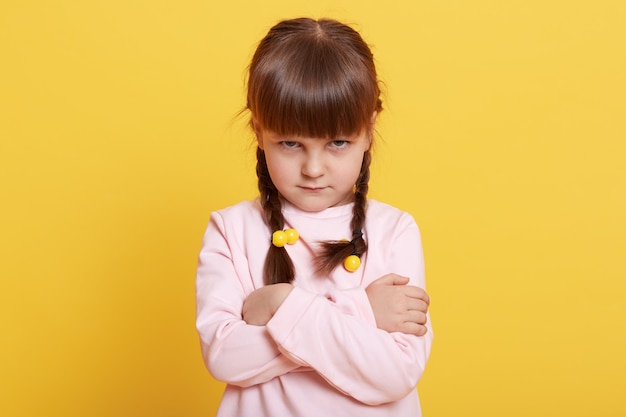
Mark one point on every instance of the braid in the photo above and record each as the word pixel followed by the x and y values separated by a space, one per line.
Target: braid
pixel 334 252
pixel 278 265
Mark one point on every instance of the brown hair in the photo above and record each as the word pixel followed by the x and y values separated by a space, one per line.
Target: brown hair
pixel 312 78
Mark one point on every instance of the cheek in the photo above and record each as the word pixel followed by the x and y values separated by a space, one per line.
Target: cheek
pixel 279 169
pixel 353 169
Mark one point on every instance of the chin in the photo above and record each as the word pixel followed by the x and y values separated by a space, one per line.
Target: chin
pixel 312 206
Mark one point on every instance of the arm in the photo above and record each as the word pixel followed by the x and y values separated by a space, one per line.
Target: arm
pixel 388 303
pixel 233 351
pixel 260 306
pixel 398 307
pixel 367 363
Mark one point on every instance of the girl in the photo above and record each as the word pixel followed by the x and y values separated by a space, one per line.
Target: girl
pixel 310 299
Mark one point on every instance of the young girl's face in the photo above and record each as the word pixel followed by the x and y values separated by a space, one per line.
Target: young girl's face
pixel 314 173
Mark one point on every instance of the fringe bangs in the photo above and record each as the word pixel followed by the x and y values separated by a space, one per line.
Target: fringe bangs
pixel 313 86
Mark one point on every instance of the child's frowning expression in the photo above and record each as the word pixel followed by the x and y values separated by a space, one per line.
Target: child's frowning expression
pixel 314 173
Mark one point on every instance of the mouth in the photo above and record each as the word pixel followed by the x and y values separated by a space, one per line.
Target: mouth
pixel 312 189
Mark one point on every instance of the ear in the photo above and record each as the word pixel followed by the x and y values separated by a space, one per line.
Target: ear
pixel 373 119
pixel 257 132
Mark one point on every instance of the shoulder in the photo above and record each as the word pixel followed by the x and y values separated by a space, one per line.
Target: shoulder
pixel 394 242
pixel 384 221
pixel 248 209
pixel 240 216
pixel 382 213
pixel 238 224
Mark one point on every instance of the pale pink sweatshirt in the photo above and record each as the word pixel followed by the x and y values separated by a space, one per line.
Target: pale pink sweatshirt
pixel 321 354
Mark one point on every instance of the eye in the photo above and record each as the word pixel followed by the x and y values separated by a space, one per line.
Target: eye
pixel 339 144
pixel 289 144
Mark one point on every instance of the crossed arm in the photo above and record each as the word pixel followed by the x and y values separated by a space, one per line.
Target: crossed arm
pixel 375 339
pixel 397 307
pixel 373 364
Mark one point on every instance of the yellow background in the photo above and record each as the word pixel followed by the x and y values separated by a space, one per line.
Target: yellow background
pixel 503 135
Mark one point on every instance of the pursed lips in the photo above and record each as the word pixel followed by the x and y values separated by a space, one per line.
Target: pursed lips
pixel 309 188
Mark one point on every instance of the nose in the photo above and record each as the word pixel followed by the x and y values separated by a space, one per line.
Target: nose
pixel 313 165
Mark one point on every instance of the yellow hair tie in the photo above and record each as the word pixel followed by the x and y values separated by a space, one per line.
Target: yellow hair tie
pixel 352 263
pixel 281 238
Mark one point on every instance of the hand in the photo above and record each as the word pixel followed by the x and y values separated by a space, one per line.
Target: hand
pixel 398 307
pixel 259 307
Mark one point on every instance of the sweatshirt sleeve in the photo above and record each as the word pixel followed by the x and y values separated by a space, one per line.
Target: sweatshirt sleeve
pixel 352 354
pixel 233 351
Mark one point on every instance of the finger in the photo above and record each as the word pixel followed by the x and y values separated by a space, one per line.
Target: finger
pixel 384 280
pixel 414 304
pixel 414 329
pixel 399 280
pixel 417 293
pixel 416 317
pixel 391 279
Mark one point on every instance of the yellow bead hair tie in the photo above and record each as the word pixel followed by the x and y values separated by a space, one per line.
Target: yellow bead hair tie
pixel 353 262
pixel 281 238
